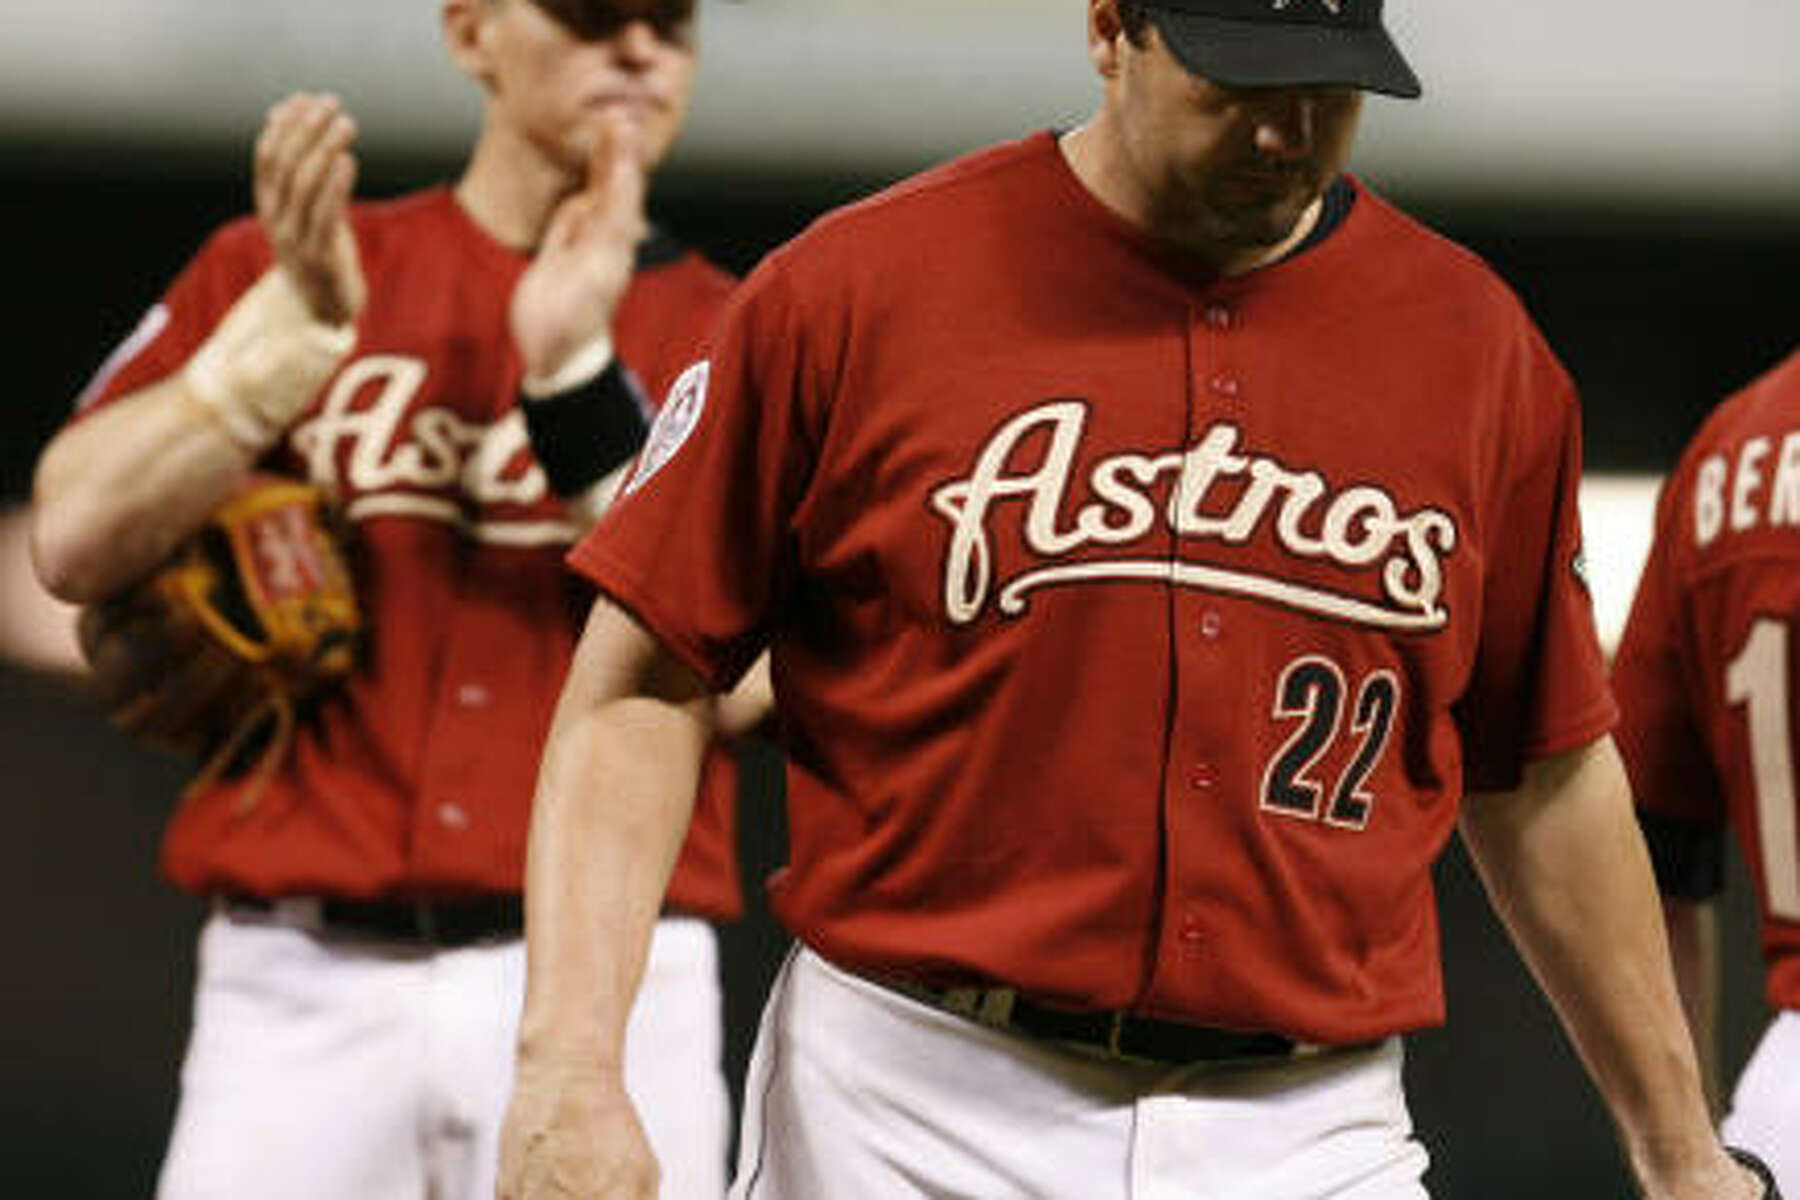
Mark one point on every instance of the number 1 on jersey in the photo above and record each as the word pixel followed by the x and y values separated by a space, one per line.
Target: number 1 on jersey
pixel 1758 677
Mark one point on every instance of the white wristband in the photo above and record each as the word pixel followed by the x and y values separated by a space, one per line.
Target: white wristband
pixel 583 367
pixel 266 361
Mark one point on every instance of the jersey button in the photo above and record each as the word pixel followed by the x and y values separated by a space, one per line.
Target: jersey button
pixel 1218 316
pixel 1204 776
pixel 1224 385
pixel 1211 625
pixel 473 695
pixel 454 816
pixel 1192 938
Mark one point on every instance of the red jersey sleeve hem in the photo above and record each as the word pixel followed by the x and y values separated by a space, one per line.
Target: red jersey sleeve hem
pixel 1595 721
pixel 630 592
pixel 1598 719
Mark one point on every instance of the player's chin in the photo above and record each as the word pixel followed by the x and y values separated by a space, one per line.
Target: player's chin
pixel 1255 228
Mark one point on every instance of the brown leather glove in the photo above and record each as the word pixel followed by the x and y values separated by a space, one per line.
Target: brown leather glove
pixel 248 619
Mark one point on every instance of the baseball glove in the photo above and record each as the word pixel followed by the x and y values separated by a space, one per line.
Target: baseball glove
pixel 219 646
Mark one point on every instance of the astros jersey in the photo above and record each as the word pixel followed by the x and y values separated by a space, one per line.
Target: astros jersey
pixel 1135 630
pixel 417 778
pixel 1707 667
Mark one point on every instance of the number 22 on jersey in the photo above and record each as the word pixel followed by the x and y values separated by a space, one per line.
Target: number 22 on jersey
pixel 1314 690
pixel 1759 678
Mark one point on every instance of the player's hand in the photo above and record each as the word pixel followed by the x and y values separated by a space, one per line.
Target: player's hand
pixel 305 173
pixel 567 297
pixel 571 1132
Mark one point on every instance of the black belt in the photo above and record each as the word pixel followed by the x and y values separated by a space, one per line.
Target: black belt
pixel 446 923
pixel 1114 1035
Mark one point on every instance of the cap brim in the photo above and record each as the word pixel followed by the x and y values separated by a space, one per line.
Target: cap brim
pixel 1246 54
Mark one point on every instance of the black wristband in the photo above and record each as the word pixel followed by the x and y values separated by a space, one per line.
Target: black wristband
pixel 1760 1169
pixel 582 435
pixel 1688 856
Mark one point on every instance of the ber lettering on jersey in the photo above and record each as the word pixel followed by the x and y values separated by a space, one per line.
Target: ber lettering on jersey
pixel 1753 495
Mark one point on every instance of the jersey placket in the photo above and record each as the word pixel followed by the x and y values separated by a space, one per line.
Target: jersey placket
pixel 1204 779
pixel 471 719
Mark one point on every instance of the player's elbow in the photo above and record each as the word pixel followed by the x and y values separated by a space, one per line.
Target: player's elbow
pixel 70 551
pixel 65 563
pixel 76 536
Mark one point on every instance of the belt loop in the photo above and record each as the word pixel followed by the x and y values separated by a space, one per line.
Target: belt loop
pixel 996 1007
pixel 427 923
pixel 1115 1030
pixel 300 912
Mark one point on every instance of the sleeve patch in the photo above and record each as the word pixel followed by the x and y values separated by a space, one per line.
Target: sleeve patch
pixel 147 331
pixel 675 421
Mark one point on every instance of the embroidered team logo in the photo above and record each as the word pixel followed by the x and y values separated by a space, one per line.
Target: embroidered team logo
pixel 1076 526
pixel 677 419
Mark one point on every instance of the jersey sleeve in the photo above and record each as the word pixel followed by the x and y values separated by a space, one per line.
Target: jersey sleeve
pixel 696 546
pixel 1539 685
pixel 1661 737
pixel 174 327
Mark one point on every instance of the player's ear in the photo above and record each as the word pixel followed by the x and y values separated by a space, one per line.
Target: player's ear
pixel 466 25
pixel 1106 32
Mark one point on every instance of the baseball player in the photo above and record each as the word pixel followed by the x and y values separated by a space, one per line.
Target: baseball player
pixel 1158 537
pixel 361 972
pixel 1704 674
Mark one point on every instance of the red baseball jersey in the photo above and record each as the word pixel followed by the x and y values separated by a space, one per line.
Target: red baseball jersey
pixel 416 779
pixel 1710 660
pixel 1136 630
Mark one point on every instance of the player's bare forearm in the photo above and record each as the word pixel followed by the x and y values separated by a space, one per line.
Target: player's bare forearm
pixel 115 493
pixel 1693 929
pixel 615 792
pixel 1566 869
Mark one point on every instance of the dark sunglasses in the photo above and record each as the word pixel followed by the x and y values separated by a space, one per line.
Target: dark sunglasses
pixel 596 20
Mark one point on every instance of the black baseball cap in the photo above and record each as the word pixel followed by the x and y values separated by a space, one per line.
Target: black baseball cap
pixel 1285 43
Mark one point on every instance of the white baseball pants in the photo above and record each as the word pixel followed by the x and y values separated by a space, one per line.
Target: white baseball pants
pixel 1765 1106
pixel 332 1068
pixel 857 1091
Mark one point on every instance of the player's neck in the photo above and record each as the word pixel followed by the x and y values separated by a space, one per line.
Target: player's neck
pixel 510 188
pixel 1092 152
